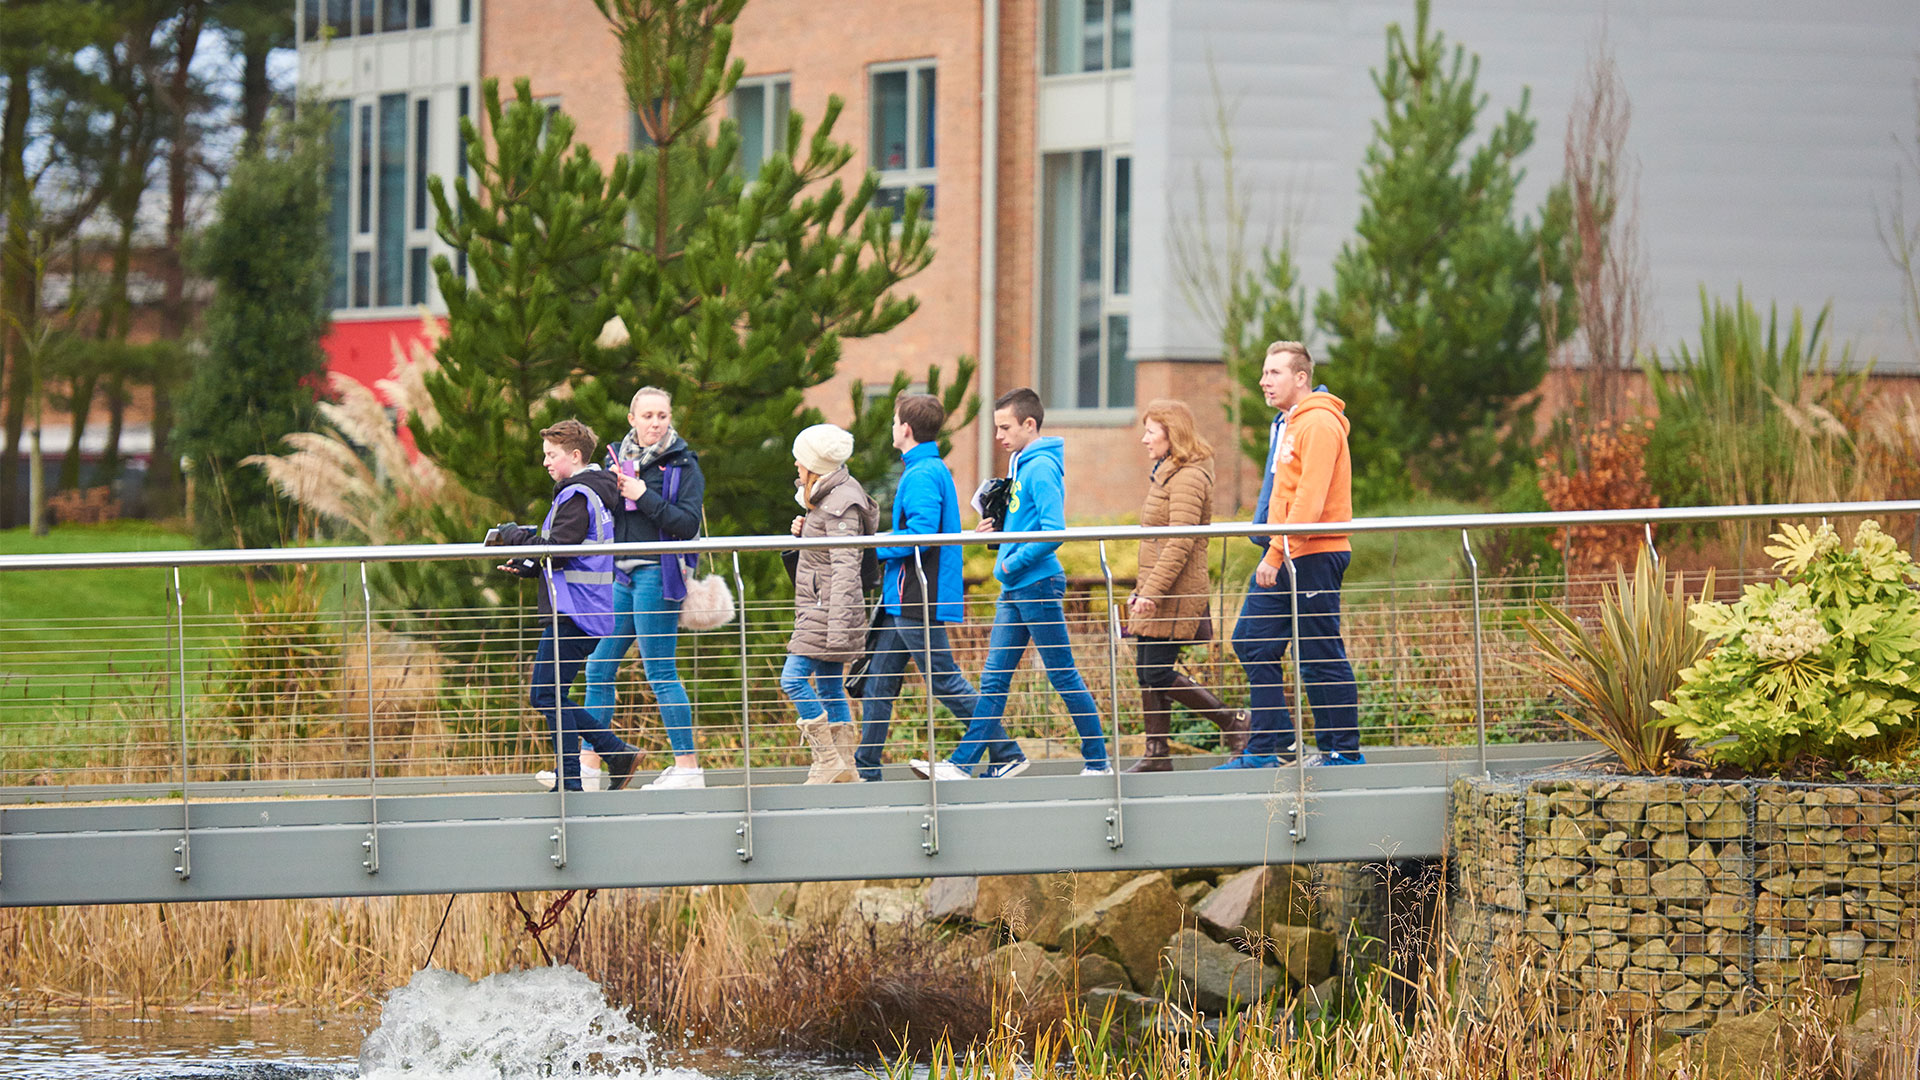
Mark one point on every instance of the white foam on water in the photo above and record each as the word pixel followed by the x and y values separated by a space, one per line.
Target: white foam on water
pixel 520 1025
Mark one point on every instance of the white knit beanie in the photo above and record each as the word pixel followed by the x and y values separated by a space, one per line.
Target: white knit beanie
pixel 823 448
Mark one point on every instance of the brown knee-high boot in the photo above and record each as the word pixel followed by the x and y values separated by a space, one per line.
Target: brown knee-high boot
pixel 1233 723
pixel 1154 713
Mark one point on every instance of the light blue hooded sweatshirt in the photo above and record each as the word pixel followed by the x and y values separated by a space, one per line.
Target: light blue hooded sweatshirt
pixel 1038 501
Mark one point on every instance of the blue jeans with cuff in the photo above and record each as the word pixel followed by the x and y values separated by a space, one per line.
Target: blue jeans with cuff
pixel 1031 614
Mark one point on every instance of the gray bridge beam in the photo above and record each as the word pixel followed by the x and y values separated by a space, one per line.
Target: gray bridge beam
pixel 274 848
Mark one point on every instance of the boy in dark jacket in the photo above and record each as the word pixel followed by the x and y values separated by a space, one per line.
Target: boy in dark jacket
pixel 913 625
pixel 576 595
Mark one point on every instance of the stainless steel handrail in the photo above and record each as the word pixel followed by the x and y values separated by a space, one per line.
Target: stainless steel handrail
pixel 782 542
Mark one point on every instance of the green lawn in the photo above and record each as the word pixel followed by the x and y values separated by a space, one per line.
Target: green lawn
pixel 74 641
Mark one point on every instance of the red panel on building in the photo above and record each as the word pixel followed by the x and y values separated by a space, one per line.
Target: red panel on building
pixel 363 350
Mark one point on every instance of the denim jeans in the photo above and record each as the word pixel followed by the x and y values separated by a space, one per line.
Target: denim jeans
pixel 1264 633
pixel 1035 614
pixel 641 612
pixel 815 688
pixel 902 639
pixel 572 722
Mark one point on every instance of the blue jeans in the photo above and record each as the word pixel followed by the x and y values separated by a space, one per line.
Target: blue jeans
pixel 573 722
pixel 902 639
pixel 815 688
pixel 1261 639
pixel 641 612
pixel 1035 614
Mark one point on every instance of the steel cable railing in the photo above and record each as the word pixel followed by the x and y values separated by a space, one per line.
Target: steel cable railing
pixel 315 680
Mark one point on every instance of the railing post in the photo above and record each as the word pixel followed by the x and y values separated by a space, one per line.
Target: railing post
pixel 745 829
pixel 559 837
pixel 184 849
pixel 1652 551
pixel 371 845
pixel 1479 668
pixel 1298 830
pixel 929 824
pixel 1116 825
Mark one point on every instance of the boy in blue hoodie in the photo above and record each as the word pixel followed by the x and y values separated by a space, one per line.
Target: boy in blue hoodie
pixel 1032 585
pixel 913 621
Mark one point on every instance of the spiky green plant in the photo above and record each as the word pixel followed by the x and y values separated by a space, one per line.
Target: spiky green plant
pixel 1615 670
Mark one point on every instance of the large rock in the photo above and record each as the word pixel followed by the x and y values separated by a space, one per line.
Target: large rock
pixel 1130 1013
pixel 1306 953
pixel 882 906
pixel 1026 968
pixel 772 898
pixel 1742 1046
pixel 1214 975
pixel 1129 926
pixel 1096 972
pixel 822 903
pixel 1244 905
pixel 1888 984
pixel 952 898
pixel 1029 911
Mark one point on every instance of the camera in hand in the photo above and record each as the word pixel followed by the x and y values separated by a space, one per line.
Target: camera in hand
pixel 500 534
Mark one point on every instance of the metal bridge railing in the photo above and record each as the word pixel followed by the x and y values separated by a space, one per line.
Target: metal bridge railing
pixel 313 677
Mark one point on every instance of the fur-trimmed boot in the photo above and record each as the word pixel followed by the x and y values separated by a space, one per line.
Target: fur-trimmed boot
pixel 829 767
pixel 1154 714
pixel 846 738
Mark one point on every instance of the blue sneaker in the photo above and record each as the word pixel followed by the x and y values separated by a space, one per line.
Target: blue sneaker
pixel 1336 757
pixel 1251 761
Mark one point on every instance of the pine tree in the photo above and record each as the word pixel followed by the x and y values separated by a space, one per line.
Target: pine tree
pixel 734 292
pixel 265 252
pixel 1435 319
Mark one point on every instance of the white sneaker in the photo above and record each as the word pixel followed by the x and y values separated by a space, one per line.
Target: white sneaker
pixel 677 776
pixel 941 770
pixel 1097 770
pixel 590 778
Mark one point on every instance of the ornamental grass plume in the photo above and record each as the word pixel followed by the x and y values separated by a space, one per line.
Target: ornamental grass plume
pixel 359 475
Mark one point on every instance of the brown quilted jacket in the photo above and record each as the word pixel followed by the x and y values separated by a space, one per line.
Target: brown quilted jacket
pixel 1173 571
pixel 830 611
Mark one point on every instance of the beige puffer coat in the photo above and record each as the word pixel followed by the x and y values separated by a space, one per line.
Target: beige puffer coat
pixel 1173 571
pixel 830 612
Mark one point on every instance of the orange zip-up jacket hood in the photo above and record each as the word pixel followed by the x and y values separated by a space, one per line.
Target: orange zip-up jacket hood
pixel 1312 476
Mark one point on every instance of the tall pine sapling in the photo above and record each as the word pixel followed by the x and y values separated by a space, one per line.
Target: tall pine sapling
pixel 266 256
pixel 1435 320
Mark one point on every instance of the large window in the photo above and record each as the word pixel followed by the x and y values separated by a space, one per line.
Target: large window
pixel 760 107
pixel 1084 280
pixel 1088 35
pixel 375 16
pixel 902 118
pixel 379 222
pixel 391 244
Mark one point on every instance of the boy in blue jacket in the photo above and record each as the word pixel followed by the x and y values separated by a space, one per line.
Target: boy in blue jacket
pixel 913 624
pixel 1032 585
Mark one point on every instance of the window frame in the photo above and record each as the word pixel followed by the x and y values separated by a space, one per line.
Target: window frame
pixel 1108 36
pixel 1057 377
pixel 905 179
pixel 773 130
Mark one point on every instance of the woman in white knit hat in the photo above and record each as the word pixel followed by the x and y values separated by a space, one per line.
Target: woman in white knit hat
pixel 830 611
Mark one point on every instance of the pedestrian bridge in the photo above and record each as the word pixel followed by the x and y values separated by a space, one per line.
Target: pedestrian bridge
pixel 321 738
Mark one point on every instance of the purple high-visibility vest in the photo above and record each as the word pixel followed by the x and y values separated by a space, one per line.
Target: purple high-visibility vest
pixel 582 585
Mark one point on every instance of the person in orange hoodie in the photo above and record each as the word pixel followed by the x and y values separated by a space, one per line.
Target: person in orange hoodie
pixel 1312 482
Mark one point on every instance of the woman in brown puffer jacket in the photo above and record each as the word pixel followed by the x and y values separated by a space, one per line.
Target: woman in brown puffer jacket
pixel 1168 607
pixel 829 606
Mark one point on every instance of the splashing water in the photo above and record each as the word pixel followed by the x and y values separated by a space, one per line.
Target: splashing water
pixel 548 1021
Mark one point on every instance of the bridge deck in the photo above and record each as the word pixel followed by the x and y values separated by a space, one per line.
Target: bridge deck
pixel 310 838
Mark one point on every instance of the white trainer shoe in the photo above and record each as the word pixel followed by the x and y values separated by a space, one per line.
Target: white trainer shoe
pixel 591 779
pixel 941 770
pixel 1097 770
pixel 676 776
